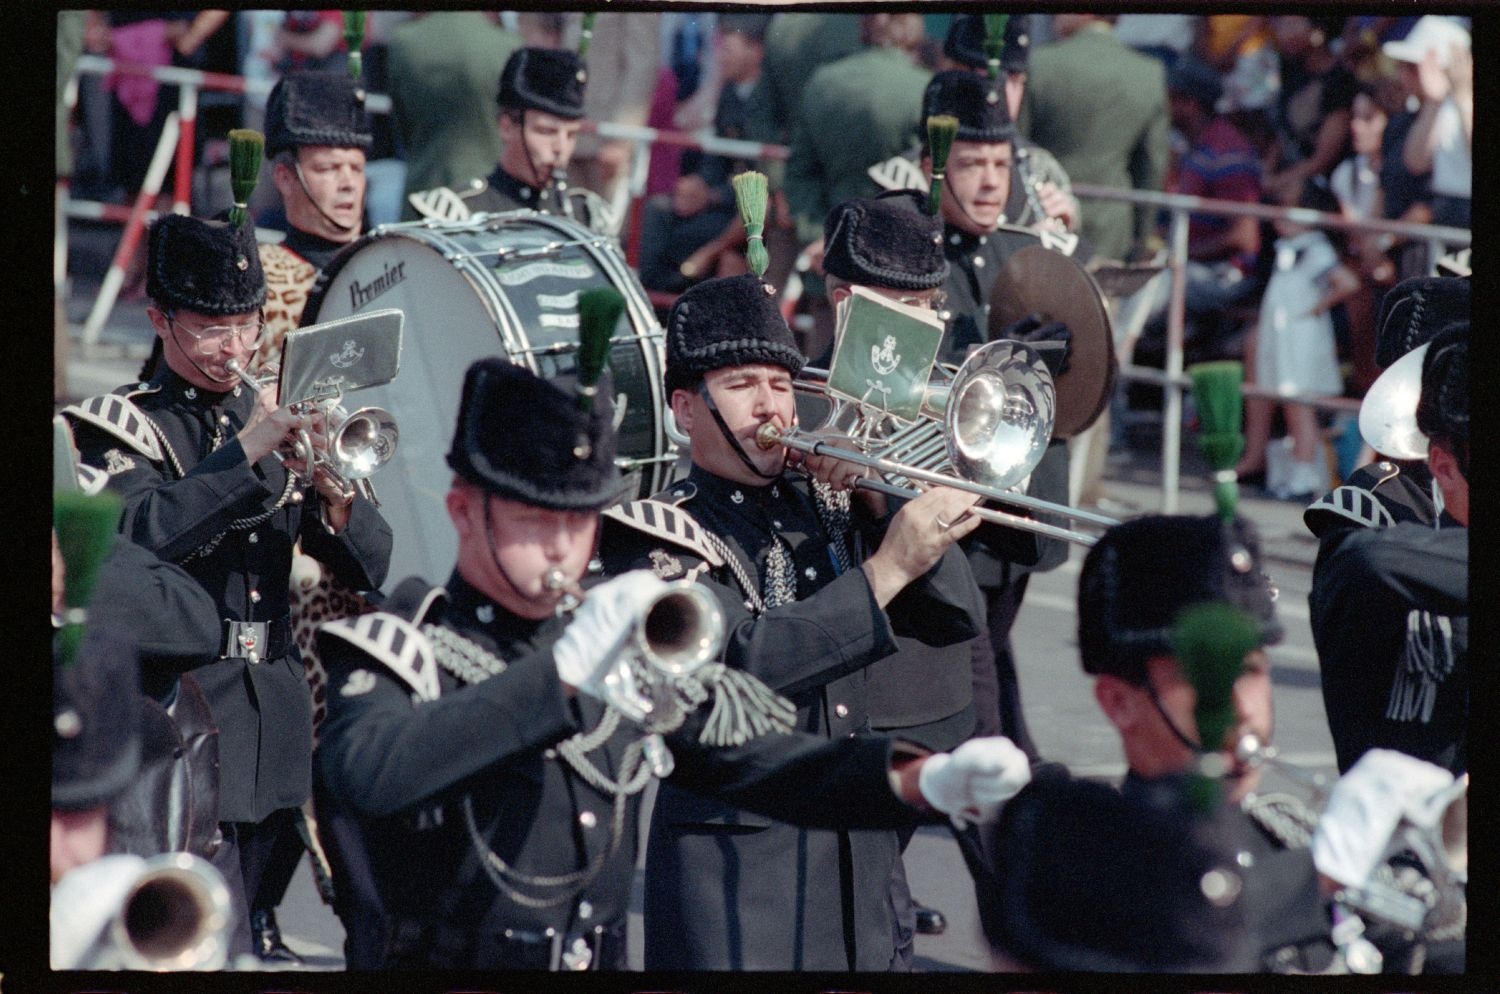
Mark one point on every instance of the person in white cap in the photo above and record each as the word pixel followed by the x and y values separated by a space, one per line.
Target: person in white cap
pixel 1441 139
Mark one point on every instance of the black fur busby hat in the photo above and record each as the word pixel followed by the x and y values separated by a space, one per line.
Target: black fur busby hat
pixel 965 42
pixel 210 267
pixel 96 747
pixel 1443 407
pixel 1415 310
pixel 974 100
pixel 728 321
pixel 545 79
pixel 1141 574
pixel 1086 878
pixel 525 438
pixel 316 108
pixel 889 241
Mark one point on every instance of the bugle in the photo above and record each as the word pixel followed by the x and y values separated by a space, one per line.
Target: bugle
pixel 359 442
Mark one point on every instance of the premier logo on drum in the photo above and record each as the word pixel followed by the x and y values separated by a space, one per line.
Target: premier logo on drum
pixel 362 293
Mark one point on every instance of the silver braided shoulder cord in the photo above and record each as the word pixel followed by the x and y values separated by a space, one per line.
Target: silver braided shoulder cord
pixel 238 525
pixel 471 662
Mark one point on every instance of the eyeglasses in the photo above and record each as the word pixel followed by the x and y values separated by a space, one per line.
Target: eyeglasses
pixel 935 302
pixel 209 340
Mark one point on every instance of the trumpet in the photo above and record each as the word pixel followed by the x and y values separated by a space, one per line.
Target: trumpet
pixel 175 914
pixel 982 431
pixel 359 443
pixel 678 632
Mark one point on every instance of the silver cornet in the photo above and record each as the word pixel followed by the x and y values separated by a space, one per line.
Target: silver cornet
pixel 359 443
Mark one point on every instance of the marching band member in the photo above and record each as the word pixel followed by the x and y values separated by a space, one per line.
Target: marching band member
pixel 473 725
pixel 193 454
pixel 815 589
pixel 541 105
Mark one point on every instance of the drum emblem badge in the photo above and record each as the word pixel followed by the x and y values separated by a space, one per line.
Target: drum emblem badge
pixel 348 356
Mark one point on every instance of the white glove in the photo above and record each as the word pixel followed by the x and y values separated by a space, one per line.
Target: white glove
pixel 971 782
pixel 1365 808
pixel 589 647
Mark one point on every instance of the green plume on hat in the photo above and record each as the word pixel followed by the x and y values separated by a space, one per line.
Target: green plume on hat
pixel 751 195
pixel 994 41
pixel 942 129
pixel 599 313
pixel 354 39
pixel 1216 393
pixel 86 527
pixel 246 149
pixel 1210 642
pixel 587 34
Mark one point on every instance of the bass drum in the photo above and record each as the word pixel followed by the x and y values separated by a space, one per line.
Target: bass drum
pixel 498 284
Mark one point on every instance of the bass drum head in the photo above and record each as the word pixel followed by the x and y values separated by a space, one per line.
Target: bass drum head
pixel 443 278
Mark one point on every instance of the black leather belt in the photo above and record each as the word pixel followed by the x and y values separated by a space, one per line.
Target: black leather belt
pixel 417 944
pixel 257 641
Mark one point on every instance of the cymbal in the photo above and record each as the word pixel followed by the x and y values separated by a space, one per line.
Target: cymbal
pixel 1037 280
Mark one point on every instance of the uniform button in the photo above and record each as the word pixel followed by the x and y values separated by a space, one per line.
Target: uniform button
pixel 776 525
pixel 550 754
pixel 254 538
pixel 842 710
pixel 223 419
pixel 587 819
pixel 255 597
pixel 585 909
pixel 190 393
pixel 979 261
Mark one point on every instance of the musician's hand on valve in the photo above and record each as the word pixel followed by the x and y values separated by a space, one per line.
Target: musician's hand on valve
pixel 918 536
pixel 970 783
pixel 1366 806
pixel 591 645
pixel 268 426
pixel 1060 207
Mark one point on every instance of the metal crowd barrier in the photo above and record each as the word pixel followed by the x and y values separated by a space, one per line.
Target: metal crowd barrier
pixel 1171 376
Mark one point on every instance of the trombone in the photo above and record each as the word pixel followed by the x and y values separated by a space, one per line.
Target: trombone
pixel 359 443
pixel 982 431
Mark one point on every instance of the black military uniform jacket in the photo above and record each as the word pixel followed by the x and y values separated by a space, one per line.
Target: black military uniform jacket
pixel 1403 684
pixel 728 889
pixel 408 744
pixel 181 497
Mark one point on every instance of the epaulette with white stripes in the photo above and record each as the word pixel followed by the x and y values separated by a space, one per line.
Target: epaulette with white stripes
pixel 1356 504
pixel 442 203
pixel 118 415
pixel 397 643
pixel 672 524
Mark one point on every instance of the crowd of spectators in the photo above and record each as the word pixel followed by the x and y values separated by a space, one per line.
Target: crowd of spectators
pixel 1372 114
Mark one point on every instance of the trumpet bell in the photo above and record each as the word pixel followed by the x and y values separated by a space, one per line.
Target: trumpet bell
pixel 363 442
pixel 681 630
pixel 176 917
pixel 998 415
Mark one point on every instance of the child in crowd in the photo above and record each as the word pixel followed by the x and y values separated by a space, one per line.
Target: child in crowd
pixel 1293 350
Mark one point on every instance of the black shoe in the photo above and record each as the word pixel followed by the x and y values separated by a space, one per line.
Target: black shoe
pixel 265 939
pixel 930 921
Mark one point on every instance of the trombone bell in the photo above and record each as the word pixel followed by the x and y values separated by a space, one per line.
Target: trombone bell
pixel 998 415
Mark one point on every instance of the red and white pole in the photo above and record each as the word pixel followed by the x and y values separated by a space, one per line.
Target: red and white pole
pixel 114 279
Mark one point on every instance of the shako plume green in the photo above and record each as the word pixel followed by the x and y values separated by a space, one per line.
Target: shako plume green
pixel 354 39
pixel 751 194
pixel 599 313
pixel 994 41
pixel 941 130
pixel 1216 393
pixel 246 149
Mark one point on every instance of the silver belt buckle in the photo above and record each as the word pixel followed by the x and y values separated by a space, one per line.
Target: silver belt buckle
pixel 245 638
